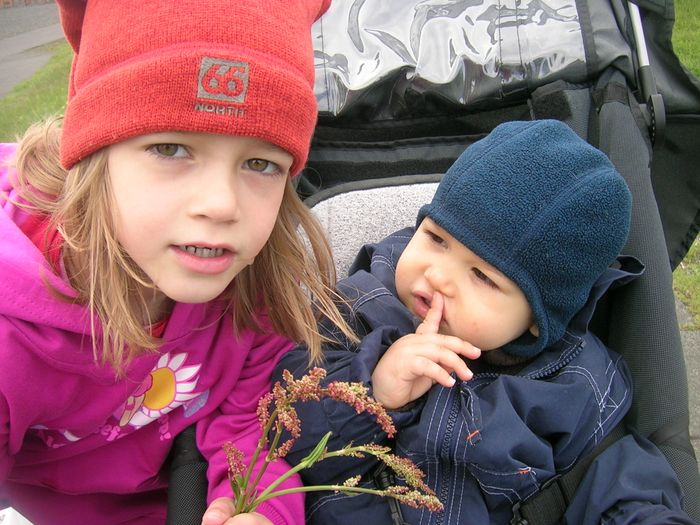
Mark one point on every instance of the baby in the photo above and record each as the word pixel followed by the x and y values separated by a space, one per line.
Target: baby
pixel 474 334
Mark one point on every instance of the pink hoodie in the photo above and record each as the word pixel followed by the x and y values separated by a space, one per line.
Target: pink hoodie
pixel 79 446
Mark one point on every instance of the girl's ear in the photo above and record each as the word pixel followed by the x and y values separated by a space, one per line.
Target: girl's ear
pixel 534 330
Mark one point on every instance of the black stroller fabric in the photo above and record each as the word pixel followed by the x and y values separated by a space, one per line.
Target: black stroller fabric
pixel 187 490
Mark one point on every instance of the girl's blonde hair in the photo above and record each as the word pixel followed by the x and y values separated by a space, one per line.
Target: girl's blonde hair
pixel 294 270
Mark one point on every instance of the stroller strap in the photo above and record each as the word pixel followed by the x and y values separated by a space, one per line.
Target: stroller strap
pixel 548 506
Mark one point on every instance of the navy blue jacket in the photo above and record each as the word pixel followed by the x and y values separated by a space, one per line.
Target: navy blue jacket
pixel 490 442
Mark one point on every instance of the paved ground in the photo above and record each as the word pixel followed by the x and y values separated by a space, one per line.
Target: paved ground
pixel 691 349
pixel 23 29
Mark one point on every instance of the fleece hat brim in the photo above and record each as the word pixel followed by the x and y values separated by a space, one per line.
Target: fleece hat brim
pixel 544 207
pixel 222 67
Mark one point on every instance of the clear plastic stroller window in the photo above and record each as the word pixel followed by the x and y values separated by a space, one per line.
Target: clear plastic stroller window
pixel 463 51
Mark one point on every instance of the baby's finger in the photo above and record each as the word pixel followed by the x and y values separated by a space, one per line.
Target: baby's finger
pixel 454 363
pixel 453 344
pixel 431 323
pixel 427 368
pixel 447 360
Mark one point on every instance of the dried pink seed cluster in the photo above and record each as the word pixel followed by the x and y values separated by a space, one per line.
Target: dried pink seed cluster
pixel 352 482
pixel 277 414
pixel 414 498
pixel 307 388
pixel 356 396
pixel 405 468
pixel 234 457
pixel 287 419
pixel 263 410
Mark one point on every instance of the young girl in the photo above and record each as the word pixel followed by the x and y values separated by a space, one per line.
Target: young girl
pixel 150 254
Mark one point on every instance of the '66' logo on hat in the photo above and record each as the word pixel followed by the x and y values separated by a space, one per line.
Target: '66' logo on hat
pixel 221 79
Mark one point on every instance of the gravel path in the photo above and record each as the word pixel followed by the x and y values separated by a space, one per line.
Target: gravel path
pixel 20 19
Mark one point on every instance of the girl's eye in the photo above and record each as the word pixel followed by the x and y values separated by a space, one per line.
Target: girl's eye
pixel 169 150
pixel 481 276
pixel 262 166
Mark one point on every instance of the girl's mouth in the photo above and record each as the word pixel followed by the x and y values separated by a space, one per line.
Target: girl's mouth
pixel 205 259
pixel 200 251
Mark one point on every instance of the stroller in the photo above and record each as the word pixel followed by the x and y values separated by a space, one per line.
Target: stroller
pixel 404 86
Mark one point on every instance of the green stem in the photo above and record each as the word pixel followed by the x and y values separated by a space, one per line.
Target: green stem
pixel 250 488
pixel 312 488
pixel 242 503
pixel 281 479
pixel 265 494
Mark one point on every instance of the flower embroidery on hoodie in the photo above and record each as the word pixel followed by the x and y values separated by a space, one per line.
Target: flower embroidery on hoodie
pixel 169 385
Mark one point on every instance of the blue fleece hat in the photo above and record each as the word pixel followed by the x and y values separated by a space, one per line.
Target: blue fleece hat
pixel 544 207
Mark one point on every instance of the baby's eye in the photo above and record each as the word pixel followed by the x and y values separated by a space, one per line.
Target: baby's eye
pixel 262 166
pixel 434 237
pixel 481 276
pixel 169 150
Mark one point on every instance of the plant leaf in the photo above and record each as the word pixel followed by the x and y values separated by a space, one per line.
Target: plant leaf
pixel 317 452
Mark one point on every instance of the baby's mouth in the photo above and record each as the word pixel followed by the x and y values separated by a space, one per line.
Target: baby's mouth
pixel 424 301
pixel 204 252
pixel 420 305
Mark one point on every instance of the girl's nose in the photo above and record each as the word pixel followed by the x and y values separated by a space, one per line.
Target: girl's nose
pixel 218 196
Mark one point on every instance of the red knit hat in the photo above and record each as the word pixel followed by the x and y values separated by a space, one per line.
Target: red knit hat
pixel 237 67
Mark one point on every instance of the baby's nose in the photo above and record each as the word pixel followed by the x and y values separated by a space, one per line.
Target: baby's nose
pixel 439 280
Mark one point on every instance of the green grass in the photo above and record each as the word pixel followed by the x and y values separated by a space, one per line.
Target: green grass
pixel 42 95
pixel 45 94
pixel 686 44
pixel 686 283
pixel 686 34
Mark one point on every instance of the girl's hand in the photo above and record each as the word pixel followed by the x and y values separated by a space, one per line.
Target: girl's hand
pixel 221 510
pixel 417 361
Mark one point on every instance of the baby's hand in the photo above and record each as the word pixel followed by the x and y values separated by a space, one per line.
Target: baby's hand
pixel 417 361
pixel 221 510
